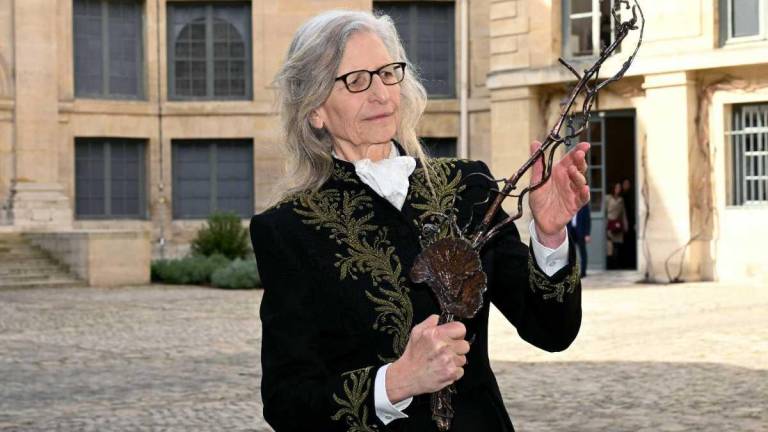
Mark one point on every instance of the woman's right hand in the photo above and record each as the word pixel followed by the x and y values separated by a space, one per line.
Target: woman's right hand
pixel 433 358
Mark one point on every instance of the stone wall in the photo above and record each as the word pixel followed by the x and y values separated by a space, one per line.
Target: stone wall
pixel 101 258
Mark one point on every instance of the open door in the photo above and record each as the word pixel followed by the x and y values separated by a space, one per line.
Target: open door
pixel 611 160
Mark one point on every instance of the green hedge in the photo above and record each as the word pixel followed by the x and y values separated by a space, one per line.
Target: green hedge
pixel 214 270
pixel 195 269
pixel 239 274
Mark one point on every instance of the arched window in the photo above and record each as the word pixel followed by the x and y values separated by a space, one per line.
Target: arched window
pixel 210 51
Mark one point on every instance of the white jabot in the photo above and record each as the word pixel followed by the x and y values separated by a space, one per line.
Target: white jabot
pixel 387 177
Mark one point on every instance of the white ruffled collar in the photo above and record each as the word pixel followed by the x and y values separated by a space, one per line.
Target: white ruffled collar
pixel 387 177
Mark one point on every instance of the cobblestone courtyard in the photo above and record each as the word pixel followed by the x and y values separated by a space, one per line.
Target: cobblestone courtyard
pixel 688 357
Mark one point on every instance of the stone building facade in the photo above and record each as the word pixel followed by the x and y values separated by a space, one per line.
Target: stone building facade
pixel 143 116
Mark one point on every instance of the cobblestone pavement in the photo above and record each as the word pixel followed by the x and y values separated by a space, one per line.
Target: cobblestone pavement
pixel 688 357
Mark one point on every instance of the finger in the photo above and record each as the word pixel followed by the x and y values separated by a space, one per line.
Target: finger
pixel 430 322
pixel 584 195
pixel 577 179
pixel 460 360
pixel 452 330
pixel 538 167
pixel 460 347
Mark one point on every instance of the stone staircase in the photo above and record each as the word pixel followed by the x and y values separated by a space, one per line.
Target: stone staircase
pixel 24 265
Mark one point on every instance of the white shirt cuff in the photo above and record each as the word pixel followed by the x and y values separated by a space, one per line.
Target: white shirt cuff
pixel 549 260
pixel 385 410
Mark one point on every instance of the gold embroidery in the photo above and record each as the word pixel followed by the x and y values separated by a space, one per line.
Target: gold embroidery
pixel 368 251
pixel 539 280
pixel 436 209
pixel 343 174
pixel 353 409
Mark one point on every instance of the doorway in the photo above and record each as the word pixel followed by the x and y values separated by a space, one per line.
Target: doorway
pixel 611 160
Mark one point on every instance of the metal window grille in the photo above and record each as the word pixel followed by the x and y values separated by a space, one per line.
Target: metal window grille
pixel 748 142
pixel 210 51
pixel 108 49
pixel 110 178
pixel 212 175
pixel 427 32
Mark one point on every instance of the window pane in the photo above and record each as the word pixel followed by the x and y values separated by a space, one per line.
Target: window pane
pixel 229 58
pixel 745 18
pixel 749 155
pixel 581 6
pixel 87 25
pixel 581 36
pixel 235 176
pixel 439 147
pixel 126 172
pixel 191 178
pixel 427 32
pixel 109 167
pixel 124 47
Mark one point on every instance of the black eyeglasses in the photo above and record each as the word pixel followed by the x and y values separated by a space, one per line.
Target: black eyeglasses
pixel 360 80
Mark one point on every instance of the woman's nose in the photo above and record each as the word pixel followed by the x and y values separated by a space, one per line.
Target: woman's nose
pixel 378 90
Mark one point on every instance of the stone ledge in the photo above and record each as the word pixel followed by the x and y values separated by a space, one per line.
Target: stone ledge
pixel 100 257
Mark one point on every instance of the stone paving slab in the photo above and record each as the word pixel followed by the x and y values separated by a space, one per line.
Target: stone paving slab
pixel 689 357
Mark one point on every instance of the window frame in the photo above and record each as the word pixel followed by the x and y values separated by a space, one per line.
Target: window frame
pixel 106 142
pixel 737 169
pixel 595 14
pixel 209 46
pixel 141 93
pixel 213 171
pixel 413 54
pixel 726 11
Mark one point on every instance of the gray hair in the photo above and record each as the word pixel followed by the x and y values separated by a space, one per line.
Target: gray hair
pixel 306 80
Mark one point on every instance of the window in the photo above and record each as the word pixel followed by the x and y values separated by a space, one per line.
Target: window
pixel 110 178
pixel 743 20
pixel 212 175
pixel 439 147
pixel 748 155
pixel 427 32
pixel 587 27
pixel 108 49
pixel 210 51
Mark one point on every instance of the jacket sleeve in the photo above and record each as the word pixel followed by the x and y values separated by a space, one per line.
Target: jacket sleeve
pixel 546 311
pixel 298 390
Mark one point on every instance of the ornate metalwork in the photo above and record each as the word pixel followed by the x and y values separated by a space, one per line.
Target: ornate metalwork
pixel 451 265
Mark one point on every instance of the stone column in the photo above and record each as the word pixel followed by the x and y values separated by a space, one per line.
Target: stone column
pixel 668 114
pixel 515 122
pixel 38 199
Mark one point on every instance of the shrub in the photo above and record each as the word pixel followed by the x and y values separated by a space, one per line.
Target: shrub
pixel 195 269
pixel 238 274
pixel 223 234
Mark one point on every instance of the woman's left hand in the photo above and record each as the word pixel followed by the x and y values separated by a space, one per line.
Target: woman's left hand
pixel 554 203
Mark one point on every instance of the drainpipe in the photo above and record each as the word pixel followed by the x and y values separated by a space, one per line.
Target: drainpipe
pixel 161 186
pixel 464 95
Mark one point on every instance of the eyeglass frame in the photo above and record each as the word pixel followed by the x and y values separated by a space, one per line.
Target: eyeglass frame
pixel 343 78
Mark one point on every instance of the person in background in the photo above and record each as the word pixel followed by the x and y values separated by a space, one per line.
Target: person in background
pixel 629 248
pixel 615 226
pixel 580 228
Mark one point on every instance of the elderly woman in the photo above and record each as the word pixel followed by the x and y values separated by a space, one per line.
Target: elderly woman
pixel 349 342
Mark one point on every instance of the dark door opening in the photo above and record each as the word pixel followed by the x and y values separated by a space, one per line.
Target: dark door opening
pixel 620 169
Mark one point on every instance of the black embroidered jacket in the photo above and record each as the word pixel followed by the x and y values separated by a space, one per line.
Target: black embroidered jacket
pixel 338 303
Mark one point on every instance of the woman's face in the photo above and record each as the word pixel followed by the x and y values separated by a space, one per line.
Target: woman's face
pixel 617 189
pixel 368 117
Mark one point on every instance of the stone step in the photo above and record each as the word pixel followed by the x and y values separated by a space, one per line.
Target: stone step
pixel 51 283
pixel 22 254
pixel 13 278
pixel 39 271
pixel 26 263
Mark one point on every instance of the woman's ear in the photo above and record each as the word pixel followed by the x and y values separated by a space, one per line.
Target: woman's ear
pixel 316 120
